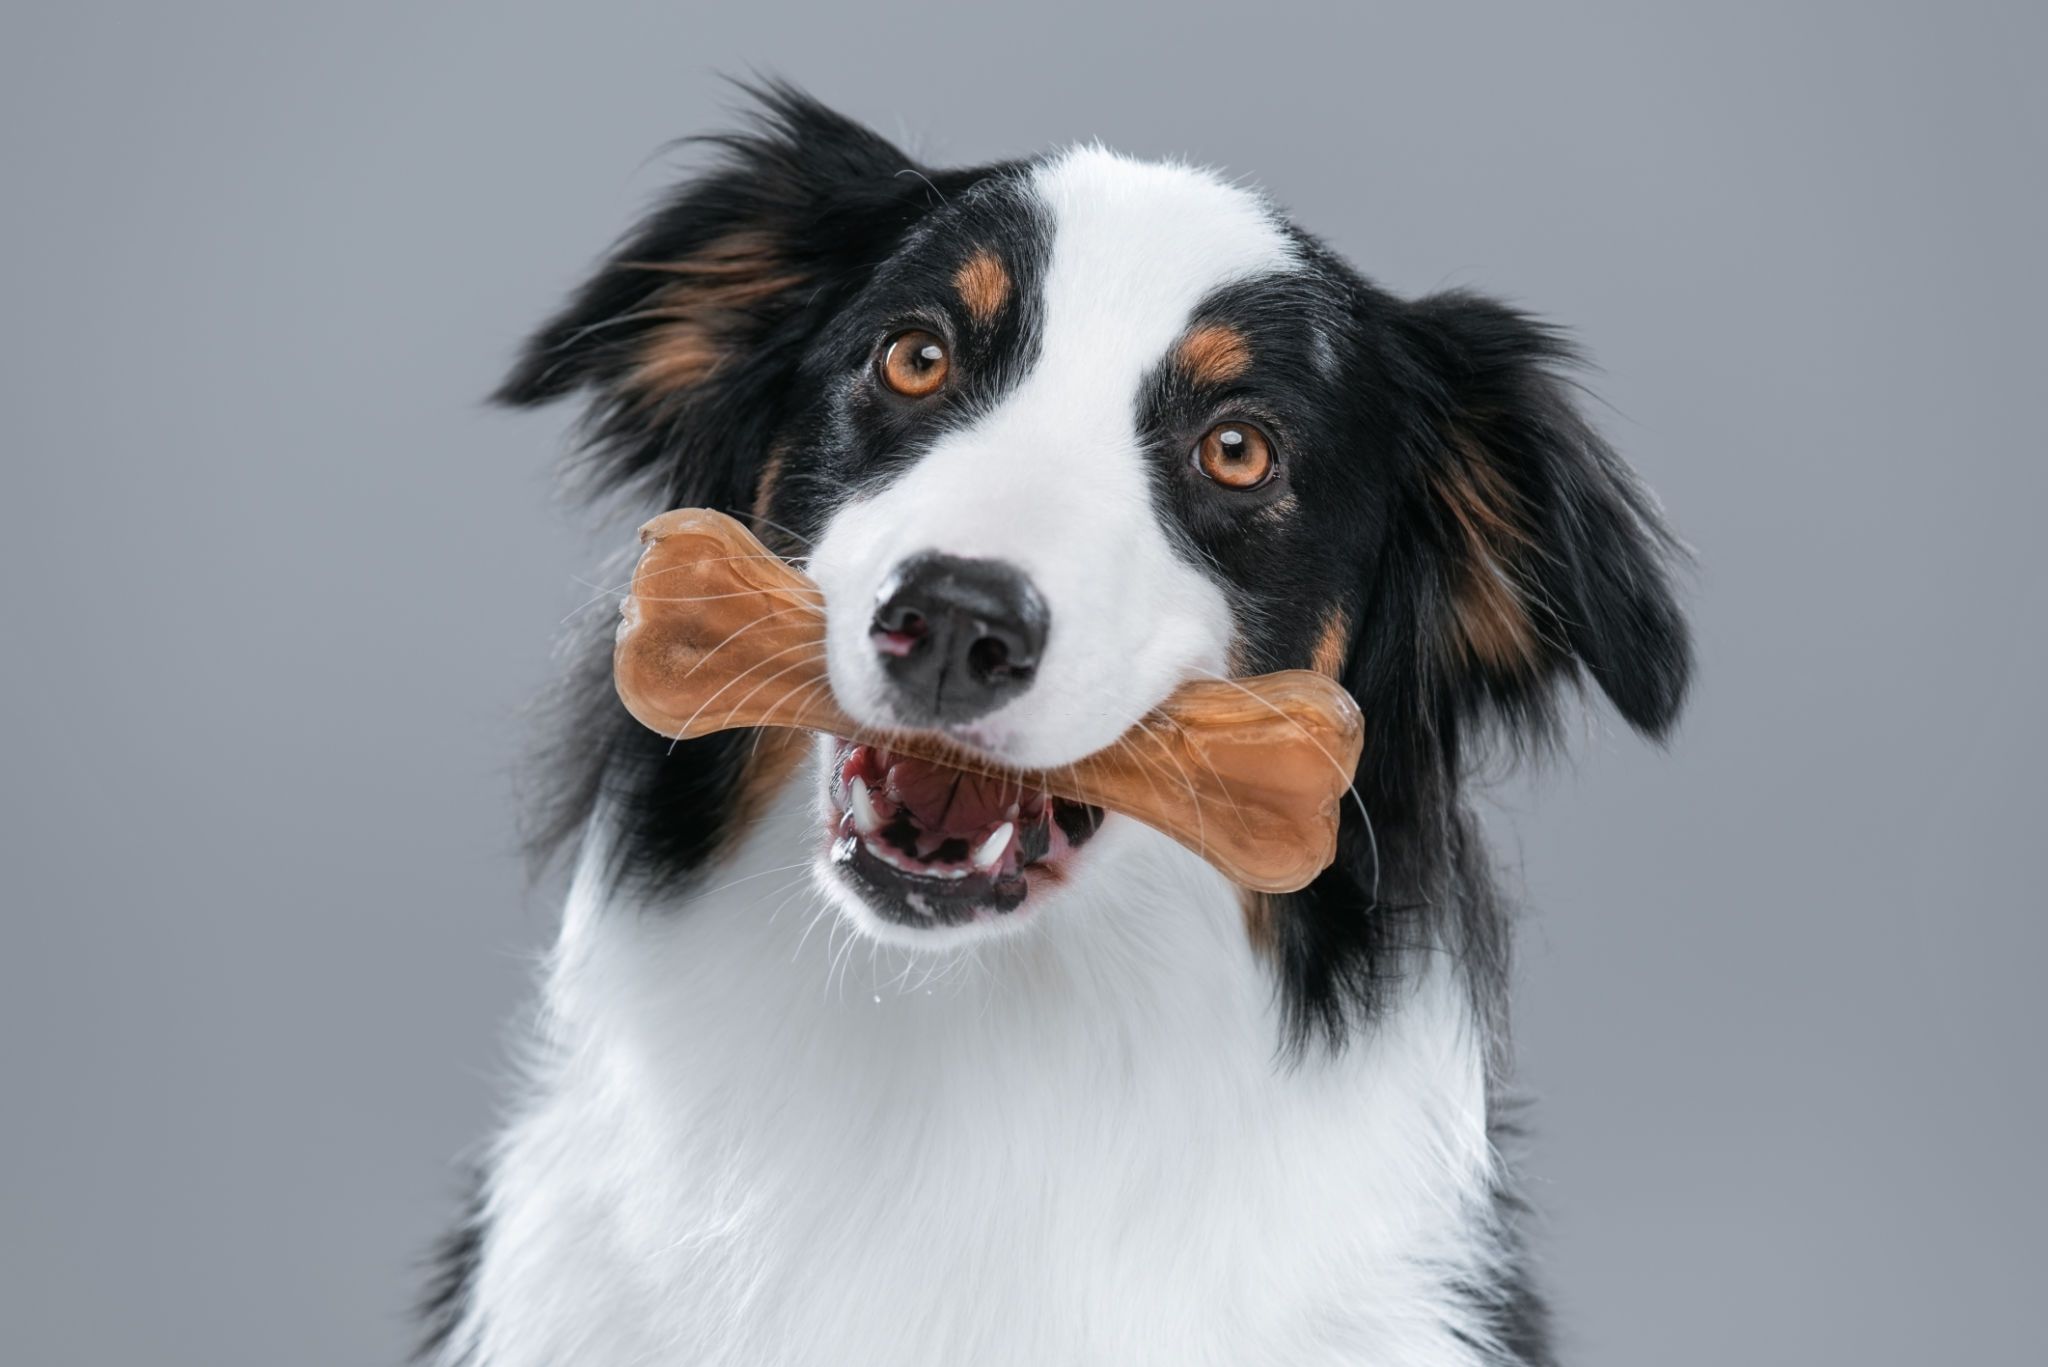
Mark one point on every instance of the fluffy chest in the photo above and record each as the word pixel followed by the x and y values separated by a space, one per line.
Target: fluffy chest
pixel 754 1139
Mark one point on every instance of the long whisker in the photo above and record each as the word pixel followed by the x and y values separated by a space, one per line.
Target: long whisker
pixel 715 597
pixel 684 730
pixel 736 708
pixel 782 527
pixel 790 891
pixel 824 907
pixel 752 876
pixel 1351 785
pixel 742 630
pixel 1236 807
pixel 624 590
pixel 834 973
pixel 1146 766
pixel 798 691
pixel 1201 808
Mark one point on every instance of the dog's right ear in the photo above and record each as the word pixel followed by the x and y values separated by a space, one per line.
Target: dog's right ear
pixel 689 330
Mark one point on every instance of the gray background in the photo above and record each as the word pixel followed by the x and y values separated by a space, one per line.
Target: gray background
pixel 277 588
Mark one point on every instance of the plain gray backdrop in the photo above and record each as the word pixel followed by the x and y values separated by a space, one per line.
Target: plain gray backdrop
pixel 278 587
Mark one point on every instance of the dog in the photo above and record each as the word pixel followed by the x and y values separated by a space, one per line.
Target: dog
pixel 845 1058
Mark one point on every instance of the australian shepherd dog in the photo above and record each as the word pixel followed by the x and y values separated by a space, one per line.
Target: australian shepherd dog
pixel 846 1058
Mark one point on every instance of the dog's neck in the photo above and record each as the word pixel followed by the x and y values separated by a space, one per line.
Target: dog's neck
pixel 758 1139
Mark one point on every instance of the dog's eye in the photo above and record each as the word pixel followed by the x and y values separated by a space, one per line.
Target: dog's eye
pixel 915 363
pixel 1236 455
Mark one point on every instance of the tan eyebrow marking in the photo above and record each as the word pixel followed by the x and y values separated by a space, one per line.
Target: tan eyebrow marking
pixel 983 283
pixel 1214 354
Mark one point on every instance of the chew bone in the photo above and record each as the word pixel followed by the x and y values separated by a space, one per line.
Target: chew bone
pixel 719 632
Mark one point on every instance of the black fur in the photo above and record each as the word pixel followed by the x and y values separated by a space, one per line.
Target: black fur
pixel 835 202
pixel 451 1279
pixel 1439 491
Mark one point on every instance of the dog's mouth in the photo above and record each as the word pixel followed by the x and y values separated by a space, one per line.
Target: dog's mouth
pixel 928 845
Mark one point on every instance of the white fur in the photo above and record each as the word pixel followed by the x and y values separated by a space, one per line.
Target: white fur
pixel 756 1137
pixel 1054 480
pixel 757 1140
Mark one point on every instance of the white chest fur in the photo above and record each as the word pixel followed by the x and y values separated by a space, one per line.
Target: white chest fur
pixel 753 1140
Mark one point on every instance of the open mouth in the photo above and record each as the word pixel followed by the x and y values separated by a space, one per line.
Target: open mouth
pixel 930 845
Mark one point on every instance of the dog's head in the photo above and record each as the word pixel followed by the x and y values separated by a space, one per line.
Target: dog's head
pixel 1056 435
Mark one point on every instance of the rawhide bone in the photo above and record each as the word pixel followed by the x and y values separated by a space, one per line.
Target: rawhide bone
pixel 719 632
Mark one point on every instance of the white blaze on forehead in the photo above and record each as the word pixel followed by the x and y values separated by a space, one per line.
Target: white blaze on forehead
pixel 1054 479
pixel 1136 246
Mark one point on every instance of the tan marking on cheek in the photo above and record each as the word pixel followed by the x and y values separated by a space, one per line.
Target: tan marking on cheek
pixel 1333 645
pixel 707 308
pixel 1213 354
pixel 983 284
pixel 1490 609
pixel 764 492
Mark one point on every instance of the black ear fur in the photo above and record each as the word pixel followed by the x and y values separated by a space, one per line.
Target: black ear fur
pixel 1549 557
pixel 695 321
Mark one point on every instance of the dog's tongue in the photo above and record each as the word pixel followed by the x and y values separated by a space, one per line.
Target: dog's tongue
pixel 949 801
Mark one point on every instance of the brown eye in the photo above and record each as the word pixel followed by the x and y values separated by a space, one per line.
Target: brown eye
pixel 915 363
pixel 1236 455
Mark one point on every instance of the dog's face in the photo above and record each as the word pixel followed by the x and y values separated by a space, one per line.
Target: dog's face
pixel 1060 435
pixel 1012 415
pixel 1039 429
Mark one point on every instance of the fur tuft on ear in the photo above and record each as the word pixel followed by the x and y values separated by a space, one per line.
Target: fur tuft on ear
pixel 1552 560
pixel 689 328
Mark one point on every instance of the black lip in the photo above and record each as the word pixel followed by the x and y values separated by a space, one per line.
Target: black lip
pixel 910 899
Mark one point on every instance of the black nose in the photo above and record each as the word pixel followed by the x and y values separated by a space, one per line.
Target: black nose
pixel 957 637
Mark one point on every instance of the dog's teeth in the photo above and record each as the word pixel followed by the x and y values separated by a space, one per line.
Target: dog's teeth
pixel 992 848
pixel 866 819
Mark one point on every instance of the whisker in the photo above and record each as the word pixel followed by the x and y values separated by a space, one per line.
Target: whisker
pixel 822 681
pixel 824 906
pixel 1124 743
pixel 1236 807
pixel 742 630
pixel 1201 809
pixel 683 731
pixel 715 597
pixel 782 527
pixel 1351 786
pixel 734 710
pixel 751 877
pixel 623 590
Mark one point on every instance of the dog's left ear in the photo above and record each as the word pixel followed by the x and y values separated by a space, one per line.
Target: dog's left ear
pixel 1549 557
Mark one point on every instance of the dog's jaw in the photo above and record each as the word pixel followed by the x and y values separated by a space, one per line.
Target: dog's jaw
pixel 925 858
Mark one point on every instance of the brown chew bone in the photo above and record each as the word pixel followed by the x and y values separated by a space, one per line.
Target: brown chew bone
pixel 719 632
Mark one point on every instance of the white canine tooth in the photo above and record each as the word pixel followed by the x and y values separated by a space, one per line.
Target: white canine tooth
pixel 865 819
pixel 992 848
